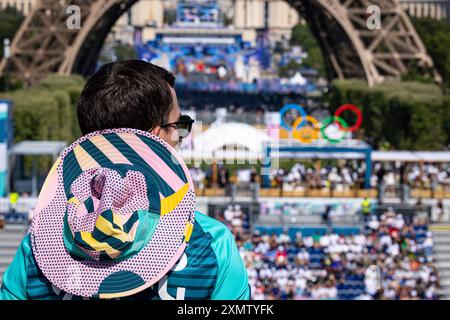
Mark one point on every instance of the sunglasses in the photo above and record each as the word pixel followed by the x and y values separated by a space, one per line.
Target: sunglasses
pixel 183 126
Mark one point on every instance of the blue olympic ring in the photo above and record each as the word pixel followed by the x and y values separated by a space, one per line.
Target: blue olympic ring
pixel 297 107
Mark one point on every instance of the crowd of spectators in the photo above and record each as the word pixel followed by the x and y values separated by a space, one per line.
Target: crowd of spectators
pixel 346 177
pixel 301 177
pixel 390 259
pixel 235 218
pixel 221 177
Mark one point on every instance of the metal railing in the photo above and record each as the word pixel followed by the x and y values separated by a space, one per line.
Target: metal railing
pixel 303 190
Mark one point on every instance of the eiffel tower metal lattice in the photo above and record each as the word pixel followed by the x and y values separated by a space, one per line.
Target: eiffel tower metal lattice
pixel 44 44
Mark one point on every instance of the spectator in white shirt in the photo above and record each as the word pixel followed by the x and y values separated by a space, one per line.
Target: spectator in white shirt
pixel 308 242
pixel 399 222
pixel 284 238
pixel 229 214
pixel 324 240
pixel 428 245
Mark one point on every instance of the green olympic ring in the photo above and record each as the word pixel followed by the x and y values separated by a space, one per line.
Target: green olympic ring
pixel 326 122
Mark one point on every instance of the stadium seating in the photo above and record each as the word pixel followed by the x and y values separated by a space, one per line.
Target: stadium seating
pixel 337 267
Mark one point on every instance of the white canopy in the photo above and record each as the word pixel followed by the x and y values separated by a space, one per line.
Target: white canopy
pixel 411 156
pixel 37 148
pixel 298 79
pixel 232 135
pixel 439 156
pixel 384 156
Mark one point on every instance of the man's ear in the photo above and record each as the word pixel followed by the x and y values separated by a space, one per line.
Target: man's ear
pixel 156 131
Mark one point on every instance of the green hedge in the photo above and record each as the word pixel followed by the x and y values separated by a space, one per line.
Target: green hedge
pixel 46 111
pixel 398 115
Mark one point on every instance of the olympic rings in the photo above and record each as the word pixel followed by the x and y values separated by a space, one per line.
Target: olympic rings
pixel 308 134
pixel 288 107
pixel 356 110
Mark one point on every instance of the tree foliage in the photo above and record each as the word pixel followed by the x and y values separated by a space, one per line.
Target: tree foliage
pixel 436 37
pixel 402 115
pixel 125 52
pixel 47 111
pixel 289 70
pixel 10 20
pixel 302 36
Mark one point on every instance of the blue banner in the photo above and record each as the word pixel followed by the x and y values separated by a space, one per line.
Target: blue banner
pixel 6 135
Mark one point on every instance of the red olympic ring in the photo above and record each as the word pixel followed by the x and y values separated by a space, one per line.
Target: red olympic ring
pixel 356 110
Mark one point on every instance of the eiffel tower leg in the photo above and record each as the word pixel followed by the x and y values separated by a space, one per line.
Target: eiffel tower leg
pixel 44 44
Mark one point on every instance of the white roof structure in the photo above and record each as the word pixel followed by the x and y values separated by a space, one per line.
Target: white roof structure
pixel 234 140
pixel 383 156
pixel 234 136
pixel 38 148
pixel 411 156
pixel 439 156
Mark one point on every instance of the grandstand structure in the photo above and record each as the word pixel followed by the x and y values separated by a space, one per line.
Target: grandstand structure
pixel 44 43
pixel 349 149
pixel 279 225
pixel 351 286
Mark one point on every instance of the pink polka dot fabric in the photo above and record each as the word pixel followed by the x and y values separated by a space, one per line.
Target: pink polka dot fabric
pixel 122 195
pixel 87 277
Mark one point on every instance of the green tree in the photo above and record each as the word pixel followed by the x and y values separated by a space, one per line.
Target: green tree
pixel 125 52
pixel 436 37
pixel 170 16
pixel 302 36
pixel 289 70
pixel 227 20
pixel 402 115
pixel 418 73
pixel 10 20
pixel 315 60
pixel 46 111
pixel 116 52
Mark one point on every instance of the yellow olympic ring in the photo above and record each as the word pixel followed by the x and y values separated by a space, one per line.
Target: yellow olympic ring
pixel 306 134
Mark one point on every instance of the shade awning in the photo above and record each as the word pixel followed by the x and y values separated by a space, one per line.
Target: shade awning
pixel 384 156
pixel 411 156
pixel 38 148
pixel 231 135
pixel 440 156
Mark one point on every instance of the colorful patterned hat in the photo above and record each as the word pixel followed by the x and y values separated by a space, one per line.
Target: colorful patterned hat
pixel 114 215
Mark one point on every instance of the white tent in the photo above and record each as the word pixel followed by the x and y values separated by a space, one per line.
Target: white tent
pixel 298 79
pixel 240 136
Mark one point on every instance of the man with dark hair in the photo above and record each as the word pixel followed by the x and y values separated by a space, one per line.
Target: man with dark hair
pixel 130 94
pixel 119 107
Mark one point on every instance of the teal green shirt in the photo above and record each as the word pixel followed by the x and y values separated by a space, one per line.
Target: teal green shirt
pixel 211 268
